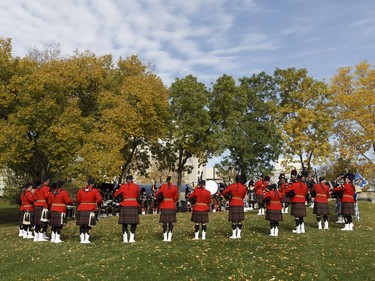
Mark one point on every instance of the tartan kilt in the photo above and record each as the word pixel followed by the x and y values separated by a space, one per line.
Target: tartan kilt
pixel 259 199
pixel 298 210
pixel 321 209
pixel 129 215
pixel 56 219
pixel 236 214
pixel 83 218
pixel 285 199
pixel 20 218
pixel 199 216
pixel 274 215
pixel 347 209
pixel 38 215
pixel 168 216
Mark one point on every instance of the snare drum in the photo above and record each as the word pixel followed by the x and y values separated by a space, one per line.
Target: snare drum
pixel 252 197
pixel 71 211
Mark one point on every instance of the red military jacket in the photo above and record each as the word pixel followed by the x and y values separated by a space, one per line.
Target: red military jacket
pixel 27 201
pixel 260 186
pixel 322 193
pixel 41 196
pixel 275 197
pixel 58 199
pixel 283 187
pixel 130 192
pixel 203 199
pixel 88 198
pixel 170 193
pixel 300 191
pixel 348 192
pixel 238 191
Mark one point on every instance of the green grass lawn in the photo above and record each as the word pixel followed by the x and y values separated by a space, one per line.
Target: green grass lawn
pixel 315 255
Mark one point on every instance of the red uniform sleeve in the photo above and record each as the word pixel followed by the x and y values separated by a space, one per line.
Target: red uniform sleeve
pixel 67 199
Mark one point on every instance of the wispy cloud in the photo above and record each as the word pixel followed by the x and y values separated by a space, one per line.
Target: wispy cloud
pixel 204 38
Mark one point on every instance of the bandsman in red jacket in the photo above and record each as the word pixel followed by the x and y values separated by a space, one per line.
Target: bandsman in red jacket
pixel 272 200
pixel 27 210
pixel 41 196
pixel 320 193
pixel 347 191
pixel 235 193
pixel 202 198
pixel 88 199
pixel 58 199
pixel 282 185
pixel 129 208
pixel 169 193
pixel 297 191
pixel 260 189
pixel 20 212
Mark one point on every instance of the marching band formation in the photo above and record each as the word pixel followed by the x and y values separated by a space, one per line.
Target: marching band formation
pixel 44 204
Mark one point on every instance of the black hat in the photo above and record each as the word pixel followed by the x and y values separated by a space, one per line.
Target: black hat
pixel 90 181
pixel 242 178
pixel 53 185
pixel 36 183
pixel 47 178
pixel 322 179
pixel 202 182
pixel 349 176
pixel 28 184
pixel 271 186
pixel 59 184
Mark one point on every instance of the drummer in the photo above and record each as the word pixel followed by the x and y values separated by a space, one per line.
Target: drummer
pixel 202 198
pixel 251 194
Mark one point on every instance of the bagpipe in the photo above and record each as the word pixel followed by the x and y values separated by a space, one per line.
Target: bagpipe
pixel 267 201
pixel 290 194
pixel 160 197
pixel 337 194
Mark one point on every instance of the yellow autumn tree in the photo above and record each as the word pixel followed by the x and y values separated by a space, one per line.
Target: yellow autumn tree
pixel 134 113
pixel 304 116
pixel 353 95
pixel 77 116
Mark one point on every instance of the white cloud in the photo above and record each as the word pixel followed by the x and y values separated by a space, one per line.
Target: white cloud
pixel 204 38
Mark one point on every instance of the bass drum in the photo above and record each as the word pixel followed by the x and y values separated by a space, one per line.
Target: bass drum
pixel 212 186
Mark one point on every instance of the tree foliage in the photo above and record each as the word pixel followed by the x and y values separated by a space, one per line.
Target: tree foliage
pixel 354 107
pixel 77 116
pixel 248 130
pixel 305 118
pixel 189 128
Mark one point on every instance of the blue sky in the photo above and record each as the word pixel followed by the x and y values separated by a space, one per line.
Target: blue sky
pixel 206 38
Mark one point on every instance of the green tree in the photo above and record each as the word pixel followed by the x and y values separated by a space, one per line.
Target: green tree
pixel 249 133
pixel 189 127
